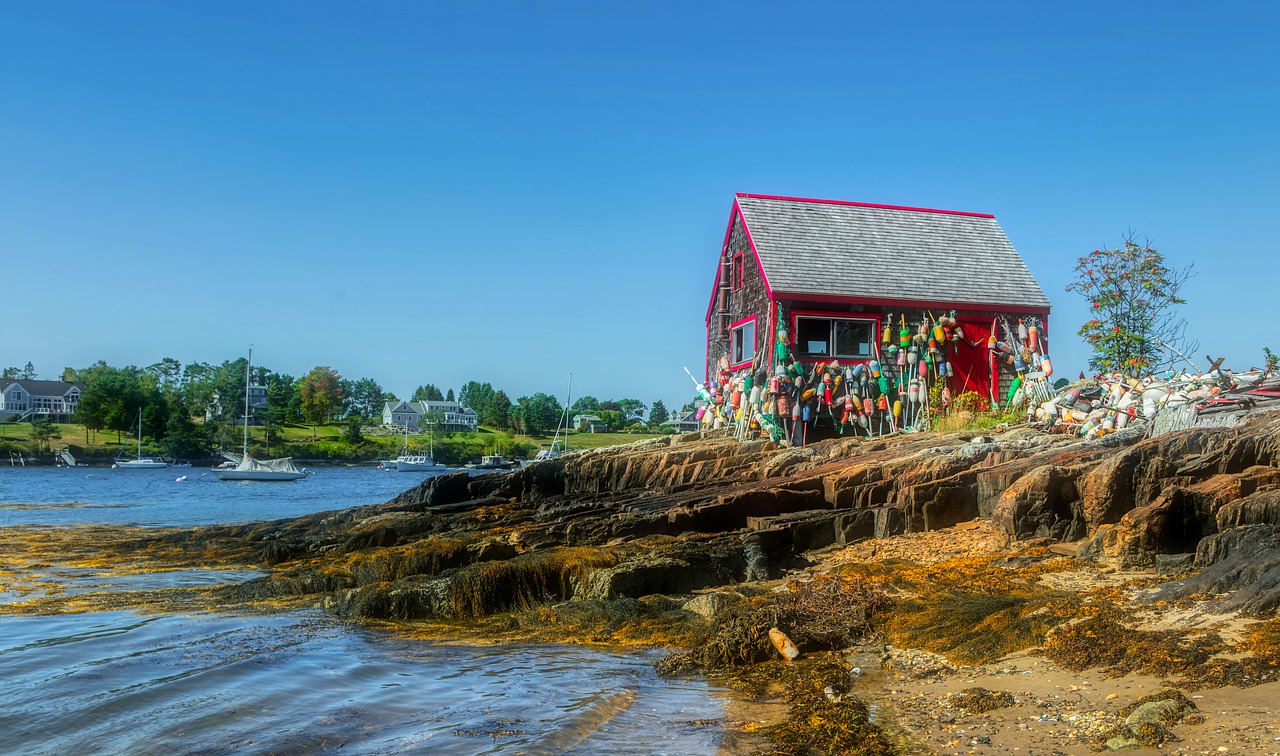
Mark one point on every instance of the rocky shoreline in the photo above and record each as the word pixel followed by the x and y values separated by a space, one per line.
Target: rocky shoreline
pixel 1056 580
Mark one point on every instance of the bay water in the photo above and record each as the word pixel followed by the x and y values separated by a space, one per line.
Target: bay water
pixel 298 682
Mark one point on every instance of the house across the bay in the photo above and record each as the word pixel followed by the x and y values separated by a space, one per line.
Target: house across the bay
pixel 22 399
pixel 442 415
pixel 834 274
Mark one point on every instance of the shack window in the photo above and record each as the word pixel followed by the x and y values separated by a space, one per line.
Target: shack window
pixel 742 340
pixel 739 271
pixel 846 338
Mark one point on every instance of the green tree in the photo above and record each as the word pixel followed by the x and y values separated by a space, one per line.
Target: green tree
pixel 351 432
pixel 110 400
pixel 1133 297
pixel 427 393
pixel 614 419
pixel 28 372
pixel 182 437
pixel 634 409
pixel 43 431
pixel 536 414
pixel 448 397
pixel 283 400
pixel 321 393
pixel 481 397
pixel 168 374
pixel 69 375
pixel 658 414
pixel 363 398
pixel 585 405
pixel 10 374
pixel 499 411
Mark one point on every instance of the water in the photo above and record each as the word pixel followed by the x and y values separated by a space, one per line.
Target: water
pixel 101 495
pixel 298 682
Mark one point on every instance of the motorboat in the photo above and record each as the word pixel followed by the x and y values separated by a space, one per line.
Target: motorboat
pixel 407 462
pixel 493 462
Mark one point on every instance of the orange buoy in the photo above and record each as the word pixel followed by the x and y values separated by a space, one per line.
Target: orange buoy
pixel 784 645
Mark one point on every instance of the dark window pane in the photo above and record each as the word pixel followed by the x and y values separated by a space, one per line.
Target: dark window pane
pixel 813 337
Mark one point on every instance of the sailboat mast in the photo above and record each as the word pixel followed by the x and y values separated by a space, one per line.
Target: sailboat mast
pixel 248 367
pixel 568 403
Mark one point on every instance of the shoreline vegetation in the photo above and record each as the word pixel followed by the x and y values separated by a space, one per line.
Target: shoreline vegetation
pixel 320 444
pixel 948 593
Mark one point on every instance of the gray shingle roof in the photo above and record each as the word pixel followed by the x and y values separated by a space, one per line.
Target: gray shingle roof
pixel 42 388
pixel 853 250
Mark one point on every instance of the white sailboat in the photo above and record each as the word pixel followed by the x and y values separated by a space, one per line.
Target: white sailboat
pixel 140 462
pixel 407 462
pixel 559 446
pixel 252 469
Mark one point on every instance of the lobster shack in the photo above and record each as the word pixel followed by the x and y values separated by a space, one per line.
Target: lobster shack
pixel 866 318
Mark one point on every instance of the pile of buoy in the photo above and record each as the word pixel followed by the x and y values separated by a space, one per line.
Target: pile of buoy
pixel 895 389
pixel 1094 407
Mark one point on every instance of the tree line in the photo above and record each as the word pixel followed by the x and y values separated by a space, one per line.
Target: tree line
pixel 192 408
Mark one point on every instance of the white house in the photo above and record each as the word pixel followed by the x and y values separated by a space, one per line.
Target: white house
pixel 447 416
pixel 589 423
pixel 24 399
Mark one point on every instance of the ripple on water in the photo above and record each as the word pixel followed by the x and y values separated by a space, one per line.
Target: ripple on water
pixel 119 682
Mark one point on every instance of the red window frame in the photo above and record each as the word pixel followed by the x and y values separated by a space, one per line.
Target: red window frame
pixel 738 271
pixel 755 342
pixel 873 318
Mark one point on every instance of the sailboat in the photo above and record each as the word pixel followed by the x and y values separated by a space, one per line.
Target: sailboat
pixel 407 462
pixel 141 462
pixel 559 446
pixel 252 469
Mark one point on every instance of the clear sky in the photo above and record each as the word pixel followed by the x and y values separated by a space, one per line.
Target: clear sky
pixel 509 192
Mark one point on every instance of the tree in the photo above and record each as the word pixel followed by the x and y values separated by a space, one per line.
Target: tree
pixel 585 405
pixel 321 392
pixel 613 419
pixel 427 393
pixel 69 375
pixel 9 374
pixel 610 406
pixel 351 432
pixel 167 373
pixel 28 372
pixel 484 400
pixel 363 398
pixel 499 411
pixel 536 414
pixel 658 414
pixel 449 396
pixel 182 437
pixel 110 400
pixel 43 431
pixel 1133 297
pixel 634 409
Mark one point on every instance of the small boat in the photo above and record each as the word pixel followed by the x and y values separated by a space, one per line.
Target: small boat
pixel 493 462
pixel 140 462
pixel 407 462
pixel 252 469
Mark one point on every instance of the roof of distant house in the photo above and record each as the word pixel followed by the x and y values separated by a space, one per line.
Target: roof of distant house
pixel 42 388
pixel 886 252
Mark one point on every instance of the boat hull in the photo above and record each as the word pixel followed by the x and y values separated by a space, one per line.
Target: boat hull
pixel 422 464
pixel 259 475
pixel 139 464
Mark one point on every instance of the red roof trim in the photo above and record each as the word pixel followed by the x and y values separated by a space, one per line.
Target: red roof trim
pixel 865 204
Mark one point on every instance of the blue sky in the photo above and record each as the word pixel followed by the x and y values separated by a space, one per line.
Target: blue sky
pixel 510 192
